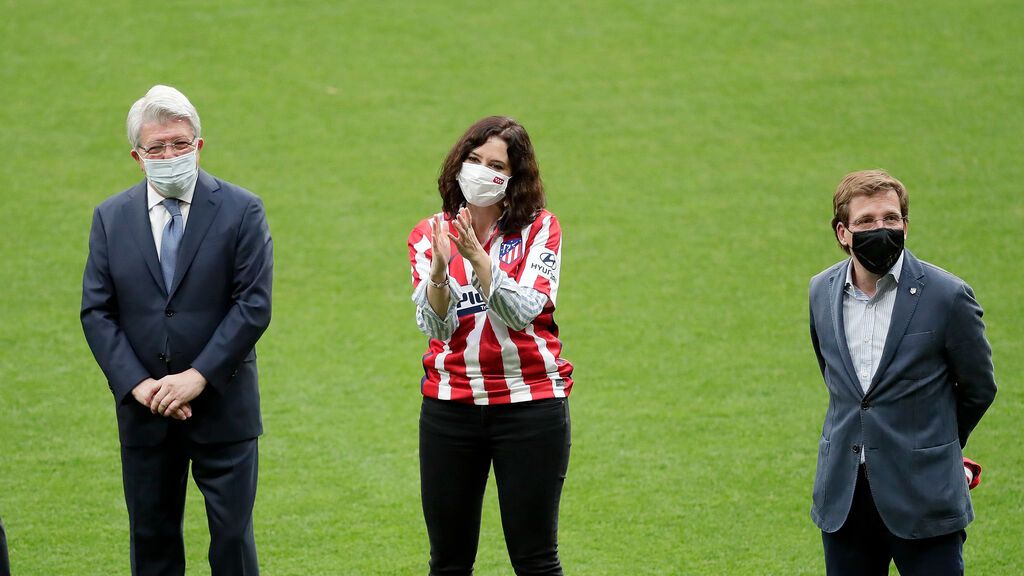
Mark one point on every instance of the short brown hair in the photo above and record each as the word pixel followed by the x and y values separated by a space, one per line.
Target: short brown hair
pixel 524 196
pixel 864 183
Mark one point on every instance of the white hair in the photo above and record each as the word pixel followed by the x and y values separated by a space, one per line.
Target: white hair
pixel 161 104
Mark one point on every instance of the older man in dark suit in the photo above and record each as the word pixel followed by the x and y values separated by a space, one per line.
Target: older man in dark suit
pixel 902 349
pixel 5 564
pixel 176 293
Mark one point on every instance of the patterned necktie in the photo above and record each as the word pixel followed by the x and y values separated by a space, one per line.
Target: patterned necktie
pixel 171 240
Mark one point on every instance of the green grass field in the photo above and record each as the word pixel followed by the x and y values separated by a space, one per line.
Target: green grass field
pixel 689 149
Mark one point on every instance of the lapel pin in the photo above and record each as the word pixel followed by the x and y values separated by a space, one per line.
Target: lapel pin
pixel 913 291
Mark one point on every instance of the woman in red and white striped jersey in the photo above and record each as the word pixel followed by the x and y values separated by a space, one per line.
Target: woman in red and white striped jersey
pixel 495 386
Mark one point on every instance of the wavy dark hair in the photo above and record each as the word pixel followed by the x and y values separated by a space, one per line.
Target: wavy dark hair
pixel 524 196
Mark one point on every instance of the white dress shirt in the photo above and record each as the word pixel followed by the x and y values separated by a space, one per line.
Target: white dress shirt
pixel 159 216
pixel 866 321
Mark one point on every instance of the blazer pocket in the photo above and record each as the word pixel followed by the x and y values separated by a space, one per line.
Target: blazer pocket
pixel 918 354
pixel 918 338
pixel 219 237
pixel 938 471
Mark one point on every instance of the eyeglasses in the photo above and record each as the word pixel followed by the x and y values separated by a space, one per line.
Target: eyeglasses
pixel 894 221
pixel 157 148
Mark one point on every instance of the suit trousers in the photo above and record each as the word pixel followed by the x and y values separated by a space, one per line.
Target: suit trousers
pixel 5 563
pixel 528 444
pixel 155 479
pixel 863 546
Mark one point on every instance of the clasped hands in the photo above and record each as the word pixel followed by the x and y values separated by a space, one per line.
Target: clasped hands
pixel 170 396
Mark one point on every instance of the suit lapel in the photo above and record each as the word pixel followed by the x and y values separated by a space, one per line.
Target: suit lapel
pixel 912 276
pixel 836 289
pixel 201 214
pixel 137 212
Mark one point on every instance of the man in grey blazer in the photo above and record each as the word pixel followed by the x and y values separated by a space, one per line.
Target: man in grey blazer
pixel 175 294
pixel 902 349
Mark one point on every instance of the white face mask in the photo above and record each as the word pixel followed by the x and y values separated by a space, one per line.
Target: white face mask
pixel 172 177
pixel 482 186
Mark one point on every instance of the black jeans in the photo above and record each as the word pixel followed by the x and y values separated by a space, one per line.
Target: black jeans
pixel 865 547
pixel 528 443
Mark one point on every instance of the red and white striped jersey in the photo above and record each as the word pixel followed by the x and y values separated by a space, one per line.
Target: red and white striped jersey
pixel 485 361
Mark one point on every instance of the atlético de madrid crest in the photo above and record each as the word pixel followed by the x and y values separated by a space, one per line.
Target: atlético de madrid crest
pixel 511 250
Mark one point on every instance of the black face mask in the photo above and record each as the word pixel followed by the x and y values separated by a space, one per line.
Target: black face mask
pixel 878 249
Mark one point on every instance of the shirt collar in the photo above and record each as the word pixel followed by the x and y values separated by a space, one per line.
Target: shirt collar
pixel 153 197
pixel 895 272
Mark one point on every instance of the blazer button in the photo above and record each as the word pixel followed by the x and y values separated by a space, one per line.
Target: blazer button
pixel 169 313
pixel 865 405
pixel 856 449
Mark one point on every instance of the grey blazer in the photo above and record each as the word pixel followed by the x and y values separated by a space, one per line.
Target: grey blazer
pixel 933 384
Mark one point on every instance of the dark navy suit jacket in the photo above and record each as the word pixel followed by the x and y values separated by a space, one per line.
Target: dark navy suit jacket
pixel 934 382
pixel 210 317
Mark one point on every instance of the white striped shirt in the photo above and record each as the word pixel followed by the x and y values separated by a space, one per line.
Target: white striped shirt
pixel 867 320
pixel 515 304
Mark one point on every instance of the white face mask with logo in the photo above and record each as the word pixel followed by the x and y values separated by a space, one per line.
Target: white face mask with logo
pixel 482 186
pixel 172 177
